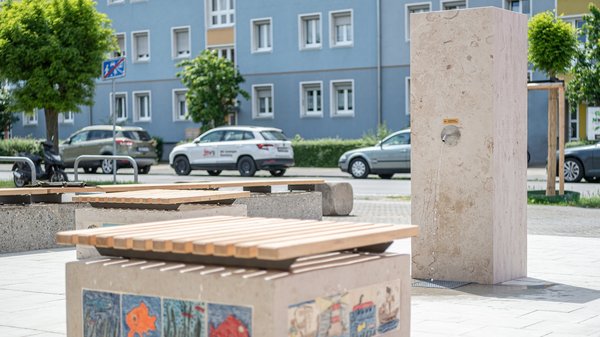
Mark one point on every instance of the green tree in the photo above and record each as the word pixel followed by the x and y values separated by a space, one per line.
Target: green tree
pixel 214 85
pixel 52 50
pixel 585 85
pixel 7 117
pixel 552 44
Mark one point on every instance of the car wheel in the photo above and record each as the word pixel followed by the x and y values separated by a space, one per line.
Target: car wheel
pixel 144 169
pixel 247 167
pixel 386 176
pixel 214 173
pixel 573 170
pixel 58 176
pixel 107 166
pixel 277 173
pixel 359 168
pixel 90 169
pixel 182 166
pixel 592 179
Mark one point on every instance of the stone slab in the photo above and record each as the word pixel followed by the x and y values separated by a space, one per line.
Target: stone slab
pixel 287 205
pixel 338 198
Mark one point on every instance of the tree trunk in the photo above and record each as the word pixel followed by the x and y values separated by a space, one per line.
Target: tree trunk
pixel 51 117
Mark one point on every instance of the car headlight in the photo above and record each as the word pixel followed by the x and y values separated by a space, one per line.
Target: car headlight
pixel 343 157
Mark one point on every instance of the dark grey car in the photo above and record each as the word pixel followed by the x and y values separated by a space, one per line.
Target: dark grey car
pixel 391 155
pixel 582 162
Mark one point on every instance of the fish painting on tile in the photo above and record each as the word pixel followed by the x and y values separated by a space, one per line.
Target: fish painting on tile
pixel 229 321
pixel 141 316
pixel 302 319
pixel 183 318
pixel 101 314
pixel 333 316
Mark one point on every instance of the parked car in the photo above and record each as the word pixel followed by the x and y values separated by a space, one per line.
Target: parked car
pixel 243 148
pixel 582 162
pixel 389 156
pixel 98 140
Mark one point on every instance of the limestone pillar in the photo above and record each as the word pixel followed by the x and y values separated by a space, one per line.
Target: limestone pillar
pixel 469 145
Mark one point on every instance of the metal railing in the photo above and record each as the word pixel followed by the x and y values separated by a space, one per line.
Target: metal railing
pixel 114 158
pixel 22 159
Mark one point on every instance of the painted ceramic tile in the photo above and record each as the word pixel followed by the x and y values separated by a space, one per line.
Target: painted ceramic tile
pixel 141 316
pixel 183 318
pixel 333 316
pixel 388 307
pixel 302 319
pixel 229 321
pixel 101 314
pixel 363 315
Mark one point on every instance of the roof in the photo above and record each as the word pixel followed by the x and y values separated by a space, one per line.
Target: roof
pixel 110 127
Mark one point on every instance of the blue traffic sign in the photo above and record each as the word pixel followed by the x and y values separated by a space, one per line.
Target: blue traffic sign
pixel 114 68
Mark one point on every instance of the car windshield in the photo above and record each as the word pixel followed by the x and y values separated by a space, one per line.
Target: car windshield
pixel 137 135
pixel 273 135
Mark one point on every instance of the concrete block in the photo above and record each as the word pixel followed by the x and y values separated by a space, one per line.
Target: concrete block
pixel 338 198
pixel 469 139
pixel 287 205
pixel 33 226
pixel 371 295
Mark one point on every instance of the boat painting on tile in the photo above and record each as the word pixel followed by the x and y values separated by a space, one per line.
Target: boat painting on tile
pixel 101 314
pixel 333 316
pixel 388 307
pixel 363 317
pixel 302 319
pixel 183 318
pixel 229 321
pixel 141 316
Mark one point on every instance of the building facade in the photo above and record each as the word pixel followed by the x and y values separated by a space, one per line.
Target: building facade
pixel 313 68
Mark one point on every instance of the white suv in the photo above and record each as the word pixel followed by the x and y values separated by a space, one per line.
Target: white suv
pixel 243 148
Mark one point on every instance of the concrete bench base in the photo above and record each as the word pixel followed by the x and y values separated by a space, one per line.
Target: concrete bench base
pixel 369 297
pixel 287 205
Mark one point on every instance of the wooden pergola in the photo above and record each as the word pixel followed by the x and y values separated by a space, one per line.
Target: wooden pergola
pixel 556 99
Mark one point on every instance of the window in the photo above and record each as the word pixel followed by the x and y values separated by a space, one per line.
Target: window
pixel 451 5
pixel 342 98
pixel 221 13
pixel 261 35
pixel 578 23
pixel 311 99
pixel 574 124
pixel 120 103
pixel 262 98
pixel 529 76
pixel 180 39
pixel 310 31
pixel 341 31
pixel 179 105
pixel 519 6
pixel 215 136
pixel 121 44
pixel 233 135
pixel 141 106
pixel 227 52
pixel 399 139
pixel 141 46
pixel 415 8
pixel 78 138
pixel 407 96
pixel 66 118
pixel 30 118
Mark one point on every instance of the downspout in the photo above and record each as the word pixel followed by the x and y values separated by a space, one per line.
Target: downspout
pixel 379 112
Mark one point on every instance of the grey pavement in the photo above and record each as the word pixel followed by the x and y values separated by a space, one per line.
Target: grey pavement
pixel 561 297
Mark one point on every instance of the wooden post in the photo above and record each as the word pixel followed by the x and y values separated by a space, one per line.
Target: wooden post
pixel 561 139
pixel 551 181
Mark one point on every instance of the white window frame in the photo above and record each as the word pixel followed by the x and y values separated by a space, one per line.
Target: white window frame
pixel 174 46
pixel 576 121
pixel 115 2
pixel 407 16
pixel 124 51
pixel 407 87
pixel 302 33
pixel 333 98
pixel 508 2
pixel 228 48
pixel 136 107
pixel 304 86
pixel 332 36
pixel 254 23
pixel 255 110
pixel 444 2
pixel 210 12
pixel 530 75
pixel 134 52
pixel 177 117
pixel 110 102
pixel 66 117
pixel 572 20
pixel 30 119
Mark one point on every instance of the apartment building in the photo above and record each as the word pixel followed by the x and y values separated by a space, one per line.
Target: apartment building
pixel 314 68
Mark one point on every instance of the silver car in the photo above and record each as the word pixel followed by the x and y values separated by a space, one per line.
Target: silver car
pixel 389 156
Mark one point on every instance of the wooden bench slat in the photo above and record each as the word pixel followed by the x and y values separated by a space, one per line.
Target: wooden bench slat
pixel 162 197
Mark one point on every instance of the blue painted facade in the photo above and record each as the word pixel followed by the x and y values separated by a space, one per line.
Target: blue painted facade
pixel 284 67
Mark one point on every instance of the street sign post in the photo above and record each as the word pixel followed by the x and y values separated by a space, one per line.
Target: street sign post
pixel 111 70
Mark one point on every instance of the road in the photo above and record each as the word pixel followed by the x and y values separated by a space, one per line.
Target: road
pixel 399 186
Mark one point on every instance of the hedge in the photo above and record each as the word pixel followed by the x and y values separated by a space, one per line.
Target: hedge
pixel 324 152
pixel 11 147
